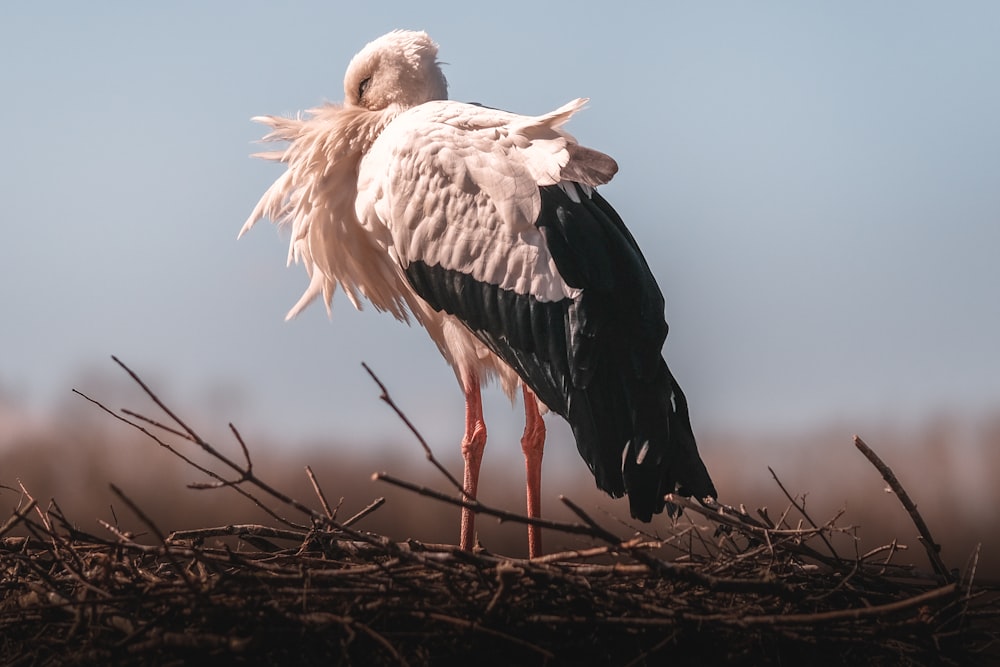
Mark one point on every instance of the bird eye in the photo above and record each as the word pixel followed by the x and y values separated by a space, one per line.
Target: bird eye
pixel 363 86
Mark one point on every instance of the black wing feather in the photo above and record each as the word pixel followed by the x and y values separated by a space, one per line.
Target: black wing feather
pixel 596 360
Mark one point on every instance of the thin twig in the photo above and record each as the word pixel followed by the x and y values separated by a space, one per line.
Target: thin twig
pixel 413 429
pixel 194 464
pixel 802 510
pixel 17 517
pixel 932 547
pixel 237 530
pixel 160 536
pixel 673 571
pixel 477 627
pixel 243 446
pixel 319 492
pixel 246 474
pixel 475 505
pixel 854 614
pixel 374 505
pixel 31 502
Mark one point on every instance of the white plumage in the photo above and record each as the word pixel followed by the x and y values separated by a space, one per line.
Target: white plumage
pixel 484 227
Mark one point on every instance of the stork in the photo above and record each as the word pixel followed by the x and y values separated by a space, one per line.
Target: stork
pixel 487 229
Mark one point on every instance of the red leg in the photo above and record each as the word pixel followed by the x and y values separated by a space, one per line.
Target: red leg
pixel 532 444
pixel 473 444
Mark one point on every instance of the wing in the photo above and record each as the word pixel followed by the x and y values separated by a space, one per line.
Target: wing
pixel 628 413
pixel 543 272
pixel 457 185
pixel 455 189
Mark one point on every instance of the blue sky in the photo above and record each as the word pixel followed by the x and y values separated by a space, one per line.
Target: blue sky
pixel 817 188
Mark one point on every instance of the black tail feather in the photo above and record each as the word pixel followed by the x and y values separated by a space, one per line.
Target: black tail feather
pixel 660 456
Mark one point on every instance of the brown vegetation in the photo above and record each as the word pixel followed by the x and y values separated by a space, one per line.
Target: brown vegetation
pixel 280 580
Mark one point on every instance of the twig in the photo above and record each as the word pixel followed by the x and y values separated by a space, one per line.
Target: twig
pixel 246 474
pixel 374 505
pixel 413 429
pixel 159 534
pixel 933 549
pixel 643 658
pixel 243 446
pixel 674 571
pixel 194 464
pixel 161 404
pixel 32 503
pixel 149 420
pixel 17 517
pixel 849 614
pixel 756 530
pixel 576 554
pixel 381 641
pixel 319 491
pixel 802 510
pixel 236 530
pixel 477 627
pixel 475 505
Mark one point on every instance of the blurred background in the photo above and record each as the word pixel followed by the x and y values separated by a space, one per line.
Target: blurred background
pixel 817 190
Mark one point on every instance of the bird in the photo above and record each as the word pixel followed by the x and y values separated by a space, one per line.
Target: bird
pixel 486 228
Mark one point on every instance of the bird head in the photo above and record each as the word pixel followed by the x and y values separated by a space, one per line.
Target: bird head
pixel 399 68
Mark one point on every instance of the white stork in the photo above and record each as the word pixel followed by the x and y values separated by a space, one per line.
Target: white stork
pixel 485 226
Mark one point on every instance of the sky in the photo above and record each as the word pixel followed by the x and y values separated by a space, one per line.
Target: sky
pixel 815 186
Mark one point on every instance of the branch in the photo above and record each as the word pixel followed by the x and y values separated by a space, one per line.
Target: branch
pixel 374 505
pixel 413 429
pixel 476 506
pixel 933 549
pixel 850 614
pixel 17 517
pixel 194 464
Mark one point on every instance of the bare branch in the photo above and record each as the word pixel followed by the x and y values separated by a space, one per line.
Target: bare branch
pixel 933 548
pixel 413 429
pixel 475 505
pixel 374 505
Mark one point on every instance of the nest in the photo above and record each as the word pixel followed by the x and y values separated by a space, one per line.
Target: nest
pixel 723 586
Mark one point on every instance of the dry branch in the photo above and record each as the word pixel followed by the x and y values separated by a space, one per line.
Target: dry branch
pixel 932 547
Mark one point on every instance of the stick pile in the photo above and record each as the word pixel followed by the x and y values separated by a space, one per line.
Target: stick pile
pixel 723 586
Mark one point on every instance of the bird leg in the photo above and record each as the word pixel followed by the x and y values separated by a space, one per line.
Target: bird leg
pixel 473 444
pixel 532 444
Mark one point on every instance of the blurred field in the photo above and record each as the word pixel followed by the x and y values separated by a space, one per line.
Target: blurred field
pixel 948 467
